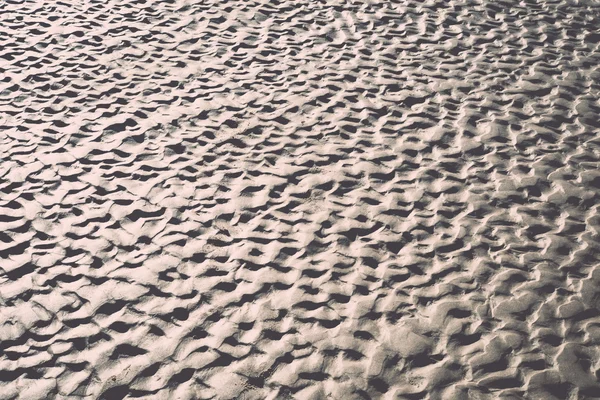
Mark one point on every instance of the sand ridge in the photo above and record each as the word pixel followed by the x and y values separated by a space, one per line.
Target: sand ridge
pixel 299 199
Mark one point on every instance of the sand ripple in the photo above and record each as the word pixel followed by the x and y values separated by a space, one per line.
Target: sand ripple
pixel 299 199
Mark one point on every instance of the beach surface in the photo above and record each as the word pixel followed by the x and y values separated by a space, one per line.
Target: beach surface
pixel 299 199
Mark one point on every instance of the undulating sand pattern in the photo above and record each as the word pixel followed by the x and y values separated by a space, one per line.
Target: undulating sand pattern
pixel 299 199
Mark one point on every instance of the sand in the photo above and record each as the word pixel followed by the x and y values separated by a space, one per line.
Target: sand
pixel 299 199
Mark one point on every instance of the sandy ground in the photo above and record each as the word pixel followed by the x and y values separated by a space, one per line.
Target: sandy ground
pixel 299 199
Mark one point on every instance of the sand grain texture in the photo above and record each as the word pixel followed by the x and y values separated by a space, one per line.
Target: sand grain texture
pixel 299 199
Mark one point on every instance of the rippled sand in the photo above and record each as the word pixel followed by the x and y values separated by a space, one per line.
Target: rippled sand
pixel 299 199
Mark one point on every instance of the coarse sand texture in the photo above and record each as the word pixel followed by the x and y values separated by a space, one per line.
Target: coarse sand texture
pixel 281 199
